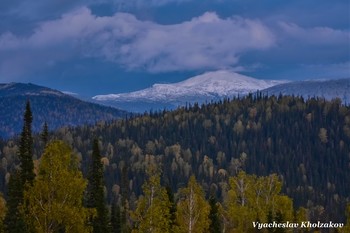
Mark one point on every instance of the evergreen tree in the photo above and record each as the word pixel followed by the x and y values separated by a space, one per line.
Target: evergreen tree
pixel 95 192
pixel 124 220
pixel 124 207
pixel 45 134
pixel 14 220
pixel 116 224
pixel 26 148
pixel 173 223
pixel 124 186
pixel 214 216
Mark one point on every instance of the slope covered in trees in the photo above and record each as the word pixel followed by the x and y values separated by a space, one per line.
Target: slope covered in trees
pixel 306 143
pixel 48 105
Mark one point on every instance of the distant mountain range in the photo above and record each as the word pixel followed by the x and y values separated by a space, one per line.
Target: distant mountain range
pixel 54 107
pixel 202 88
pixel 60 109
pixel 328 89
pixel 216 85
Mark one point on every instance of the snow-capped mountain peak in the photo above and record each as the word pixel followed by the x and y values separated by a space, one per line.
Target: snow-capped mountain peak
pixel 218 83
pixel 205 87
pixel 224 82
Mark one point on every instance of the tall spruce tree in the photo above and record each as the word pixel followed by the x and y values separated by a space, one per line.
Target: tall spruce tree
pixel 172 209
pixel 214 216
pixel 14 220
pixel 44 135
pixel 116 225
pixel 95 192
pixel 26 148
pixel 124 207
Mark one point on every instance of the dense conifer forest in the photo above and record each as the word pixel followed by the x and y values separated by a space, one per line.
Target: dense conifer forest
pixel 256 158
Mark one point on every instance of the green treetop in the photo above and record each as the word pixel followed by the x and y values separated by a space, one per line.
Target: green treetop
pixel 152 214
pixel 192 209
pixel 54 202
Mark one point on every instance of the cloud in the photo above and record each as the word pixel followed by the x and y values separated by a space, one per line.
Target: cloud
pixel 312 45
pixel 298 46
pixel 204 42
pixel 142 3
pixel 44 9
pixel 316 35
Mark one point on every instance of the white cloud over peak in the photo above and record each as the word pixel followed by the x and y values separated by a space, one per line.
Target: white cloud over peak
pixel 207 41
pixel 203 42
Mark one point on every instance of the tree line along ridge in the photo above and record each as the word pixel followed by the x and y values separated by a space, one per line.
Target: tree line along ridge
pixel 241 160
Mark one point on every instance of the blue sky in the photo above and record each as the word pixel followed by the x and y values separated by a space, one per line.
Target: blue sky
pixel 109 46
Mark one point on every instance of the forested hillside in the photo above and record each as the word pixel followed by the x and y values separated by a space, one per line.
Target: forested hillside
pixel 305 142
pixel 48 105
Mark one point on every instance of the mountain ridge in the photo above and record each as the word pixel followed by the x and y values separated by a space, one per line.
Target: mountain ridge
pixel 211 86
pixel 328 89
pixel 216 85
pixel 201 88
pixel 222 83
pixel 23 89
pixel 48 105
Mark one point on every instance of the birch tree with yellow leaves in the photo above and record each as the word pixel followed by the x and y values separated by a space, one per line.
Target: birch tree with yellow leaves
pixel 152 214
pixel 192 209
pixel 55 201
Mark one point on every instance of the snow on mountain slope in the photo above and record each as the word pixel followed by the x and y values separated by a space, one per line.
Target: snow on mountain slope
pixel 205 87
pixel 219 84
pixel 328 89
